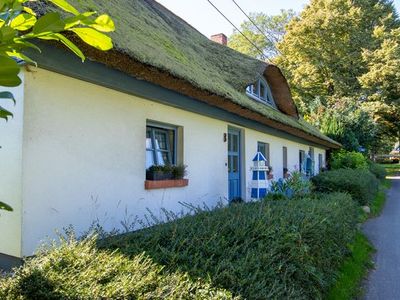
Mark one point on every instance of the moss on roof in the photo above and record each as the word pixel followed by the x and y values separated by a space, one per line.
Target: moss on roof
pixel 151 34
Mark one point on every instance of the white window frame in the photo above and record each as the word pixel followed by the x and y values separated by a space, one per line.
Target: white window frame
pixel 267 98
pixel 171 149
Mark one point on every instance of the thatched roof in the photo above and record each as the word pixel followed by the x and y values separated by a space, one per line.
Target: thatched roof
pixel 152 43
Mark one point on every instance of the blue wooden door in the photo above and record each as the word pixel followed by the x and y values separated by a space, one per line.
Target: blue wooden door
pixel 234 164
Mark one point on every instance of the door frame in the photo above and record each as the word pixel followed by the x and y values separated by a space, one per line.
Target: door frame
pixel 242 187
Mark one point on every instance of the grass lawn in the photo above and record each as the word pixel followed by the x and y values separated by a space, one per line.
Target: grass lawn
pixel 391 169
pixel 353 270
pixel 356 266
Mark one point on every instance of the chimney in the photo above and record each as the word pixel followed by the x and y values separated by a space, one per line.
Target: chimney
pixel 220 38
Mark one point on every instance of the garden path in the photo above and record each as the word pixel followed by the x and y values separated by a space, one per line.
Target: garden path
pixel 384 233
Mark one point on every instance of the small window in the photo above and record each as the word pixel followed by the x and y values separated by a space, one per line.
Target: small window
pixel 255 89
pixel 302 155
pixel 320 164
pixel 160 146
pixel 310 162
pixel 264 149
pixel 260 91
pixel 284 154
pixel 263 92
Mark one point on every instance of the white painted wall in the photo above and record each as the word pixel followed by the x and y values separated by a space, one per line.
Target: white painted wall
pixel 84 157
pixel 276 154
pixel 11 172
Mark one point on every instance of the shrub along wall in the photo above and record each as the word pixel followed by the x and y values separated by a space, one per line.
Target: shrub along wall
pixel 78 270
pixel 263 250
pixel 361 184
pixel 377 170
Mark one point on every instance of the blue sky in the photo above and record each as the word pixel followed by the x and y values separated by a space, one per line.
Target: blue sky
pixel 201 15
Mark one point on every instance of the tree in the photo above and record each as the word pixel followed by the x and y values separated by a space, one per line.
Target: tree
pixel 19 25
pixel 382 79
pixel 272 27
pixel 322 52
pixel 325 55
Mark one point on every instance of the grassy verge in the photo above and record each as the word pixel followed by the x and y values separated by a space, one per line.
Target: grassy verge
pixel 391 169
pixel 353 270
pixel 356 266
pixel 380 199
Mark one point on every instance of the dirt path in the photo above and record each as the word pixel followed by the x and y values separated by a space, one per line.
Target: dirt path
pixel 384 233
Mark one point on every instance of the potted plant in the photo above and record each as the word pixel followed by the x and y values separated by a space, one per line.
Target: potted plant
pixel 168 176
pixel 178 171
pixel 157 172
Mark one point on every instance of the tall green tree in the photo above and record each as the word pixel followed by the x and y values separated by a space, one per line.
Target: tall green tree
pixel 325 55
pixel 342 61
pixel 381 82
pixel 265 34
pixel 322 51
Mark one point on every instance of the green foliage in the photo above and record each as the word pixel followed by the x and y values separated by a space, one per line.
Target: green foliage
pixel 382 80
pixel 353 270
pixel 169 171
pixel 379 201
pixel 378 170
pixel 179 171
pixel 331 54
pixel 322 50
pixel 348 160
pixel 296 186
pixel 78 270
pixel 5 206
pixel 19 24
pixel 271 26
pixel 361 184
pixel 259 250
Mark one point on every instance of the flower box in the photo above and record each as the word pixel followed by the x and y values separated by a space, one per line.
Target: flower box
pixel 158 175
pixel 164 184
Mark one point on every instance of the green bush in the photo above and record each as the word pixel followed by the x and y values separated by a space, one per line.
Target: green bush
pixel 260 250
pixel 377 170
pixel 348 160
pixel 296 186
pixel 361 184
pixel 78 270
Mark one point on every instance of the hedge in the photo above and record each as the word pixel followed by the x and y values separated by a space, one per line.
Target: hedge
pixel 264 250
pixel 377 170
pixel 348 160
pixel 78 270
pixel 361 184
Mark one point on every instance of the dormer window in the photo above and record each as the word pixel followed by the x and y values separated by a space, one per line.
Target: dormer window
pixel 260 91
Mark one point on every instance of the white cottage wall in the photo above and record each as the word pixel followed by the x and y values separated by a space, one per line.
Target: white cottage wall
pixel 11 172
pixel 276 154
pixel 84 157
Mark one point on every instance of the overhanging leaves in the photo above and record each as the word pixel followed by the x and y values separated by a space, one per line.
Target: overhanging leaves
pixel 59 37
pixel 9 72
pixel 104 23
pixel 50 22
pixel 94 38
pixel 23 22
pixel 7 95
pixel 5 206
pixel 65 6
pixel 5 114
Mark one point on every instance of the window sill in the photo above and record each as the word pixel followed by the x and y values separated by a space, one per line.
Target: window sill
pixel 164 184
